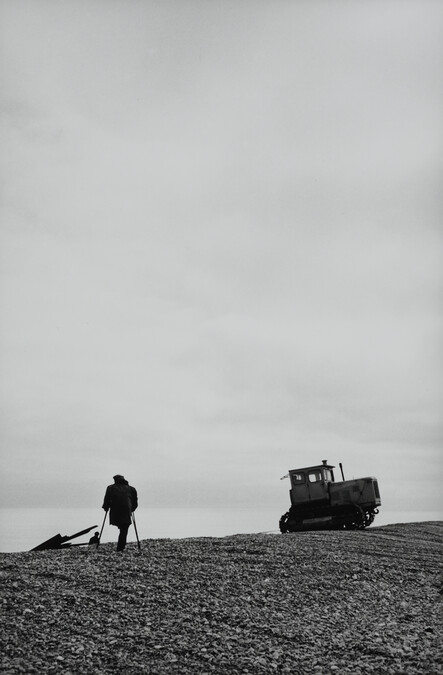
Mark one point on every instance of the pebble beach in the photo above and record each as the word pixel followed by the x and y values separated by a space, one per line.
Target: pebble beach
pixel 311 603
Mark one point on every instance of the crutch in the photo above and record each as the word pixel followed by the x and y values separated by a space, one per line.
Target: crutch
pixel 100 535
pixel 136 533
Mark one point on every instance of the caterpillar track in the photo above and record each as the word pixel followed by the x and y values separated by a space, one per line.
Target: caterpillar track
pixel 355 519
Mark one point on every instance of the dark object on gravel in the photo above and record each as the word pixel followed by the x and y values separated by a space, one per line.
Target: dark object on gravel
pixel 59 542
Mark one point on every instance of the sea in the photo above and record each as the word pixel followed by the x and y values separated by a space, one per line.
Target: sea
pixel 21 529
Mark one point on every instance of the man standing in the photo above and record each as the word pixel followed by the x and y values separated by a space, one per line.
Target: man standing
pixel 121 500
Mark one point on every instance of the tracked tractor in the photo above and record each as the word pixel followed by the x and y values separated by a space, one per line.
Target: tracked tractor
pixel 318 502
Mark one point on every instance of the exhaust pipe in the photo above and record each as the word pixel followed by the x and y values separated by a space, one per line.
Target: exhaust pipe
pixel 341 469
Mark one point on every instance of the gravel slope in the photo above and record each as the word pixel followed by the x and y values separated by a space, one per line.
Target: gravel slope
pixel 303 603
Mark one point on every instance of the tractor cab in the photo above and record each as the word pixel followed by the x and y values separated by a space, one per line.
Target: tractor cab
pixel 311 483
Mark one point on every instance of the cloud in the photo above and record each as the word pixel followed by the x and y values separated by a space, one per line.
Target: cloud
pixel 222 251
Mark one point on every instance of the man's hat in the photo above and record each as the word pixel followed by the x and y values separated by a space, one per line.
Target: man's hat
pixel 118 477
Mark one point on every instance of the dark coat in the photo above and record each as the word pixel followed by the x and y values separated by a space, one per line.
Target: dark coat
pixel 121 500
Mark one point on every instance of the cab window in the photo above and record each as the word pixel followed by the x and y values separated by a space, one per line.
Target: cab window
pixel 298 477
pixel 328 475
pixel 314 476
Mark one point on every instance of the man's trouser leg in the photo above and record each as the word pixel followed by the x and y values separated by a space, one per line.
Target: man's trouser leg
pixel 122 537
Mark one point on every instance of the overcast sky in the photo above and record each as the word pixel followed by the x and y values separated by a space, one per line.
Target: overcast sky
pixel 221 234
